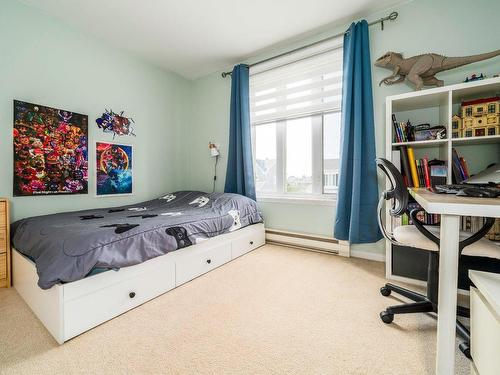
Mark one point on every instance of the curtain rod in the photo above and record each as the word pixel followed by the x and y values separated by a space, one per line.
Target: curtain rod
pixel 390 17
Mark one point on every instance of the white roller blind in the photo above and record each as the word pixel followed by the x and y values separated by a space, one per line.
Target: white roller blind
pixel 302 83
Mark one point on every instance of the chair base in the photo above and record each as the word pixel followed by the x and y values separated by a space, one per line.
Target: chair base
pixel 422 304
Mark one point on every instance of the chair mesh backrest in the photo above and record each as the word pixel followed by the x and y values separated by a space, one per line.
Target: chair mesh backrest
pixel 398 191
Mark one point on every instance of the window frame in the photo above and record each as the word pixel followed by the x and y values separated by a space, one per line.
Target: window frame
pixel 318 196
pixel 317 114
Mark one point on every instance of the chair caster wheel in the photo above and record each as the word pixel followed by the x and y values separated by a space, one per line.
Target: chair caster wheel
pixel 465 349
pixel 386 317
pixel 385 291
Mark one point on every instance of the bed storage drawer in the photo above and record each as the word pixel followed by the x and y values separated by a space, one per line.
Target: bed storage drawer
pixel 194 263
pixel 92 309
pixel 67 310
pixel 247 243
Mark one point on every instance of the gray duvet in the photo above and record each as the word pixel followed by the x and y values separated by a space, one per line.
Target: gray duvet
pixel 67 246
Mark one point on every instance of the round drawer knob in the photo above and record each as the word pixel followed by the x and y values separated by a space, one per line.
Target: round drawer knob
pixel 209 261
pixel 131 294
pixel 251 242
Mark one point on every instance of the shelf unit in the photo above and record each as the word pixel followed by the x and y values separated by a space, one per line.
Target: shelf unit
pixel 437 106
pixel 420 143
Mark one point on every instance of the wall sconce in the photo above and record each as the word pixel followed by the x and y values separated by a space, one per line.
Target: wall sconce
pixel 214 149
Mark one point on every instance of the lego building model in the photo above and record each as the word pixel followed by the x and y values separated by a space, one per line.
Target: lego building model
pixel 480 117
pixel 456 127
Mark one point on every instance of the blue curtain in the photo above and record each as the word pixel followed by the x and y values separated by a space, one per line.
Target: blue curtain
pixel 356 217
pixel 239 173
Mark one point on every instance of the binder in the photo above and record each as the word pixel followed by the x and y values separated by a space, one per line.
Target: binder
pixel 427 173
pixel 406 165
pixel 413 167
pixel 456 167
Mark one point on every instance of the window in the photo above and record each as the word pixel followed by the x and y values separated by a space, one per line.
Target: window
pixel 295 114
pixel 265 158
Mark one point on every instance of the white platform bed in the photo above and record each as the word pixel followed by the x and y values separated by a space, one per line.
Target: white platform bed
pixel 67 310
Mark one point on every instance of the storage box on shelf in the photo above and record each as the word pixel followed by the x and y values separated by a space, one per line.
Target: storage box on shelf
pixel 437 106
pixel 5 273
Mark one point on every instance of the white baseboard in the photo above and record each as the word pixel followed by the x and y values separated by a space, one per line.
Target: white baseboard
pixel 379 257
pixel 308 241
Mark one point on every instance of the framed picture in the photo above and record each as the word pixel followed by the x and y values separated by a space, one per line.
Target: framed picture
pixel 113 169
pixel 50 151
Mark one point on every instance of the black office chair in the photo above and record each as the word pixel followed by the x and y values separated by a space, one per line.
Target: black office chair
pixel 424 237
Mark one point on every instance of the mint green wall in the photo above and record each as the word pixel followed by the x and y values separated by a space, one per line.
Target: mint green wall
pixel 46 62
pixel 453 28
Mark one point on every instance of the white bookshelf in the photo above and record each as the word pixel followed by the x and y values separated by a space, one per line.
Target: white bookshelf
pixel 437 106
pixel 420 143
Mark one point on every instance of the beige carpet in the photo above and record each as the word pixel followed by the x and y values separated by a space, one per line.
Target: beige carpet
pixel 273 311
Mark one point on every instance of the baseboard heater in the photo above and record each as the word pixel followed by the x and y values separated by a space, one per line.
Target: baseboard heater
pixel 308 242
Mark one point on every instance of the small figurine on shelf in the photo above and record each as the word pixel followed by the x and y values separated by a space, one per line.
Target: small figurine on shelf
pixel 475 77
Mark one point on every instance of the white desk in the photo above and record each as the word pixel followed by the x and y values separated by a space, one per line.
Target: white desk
pixel 450 207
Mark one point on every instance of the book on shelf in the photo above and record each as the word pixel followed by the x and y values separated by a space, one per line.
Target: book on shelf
pixel 427 174
pixel 421 173
pixel 473 224
pixel 413 167
pixel 459 167
pixel 494 233
pixel 405 167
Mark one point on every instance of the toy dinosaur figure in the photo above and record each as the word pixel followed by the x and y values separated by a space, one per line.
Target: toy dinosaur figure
pixel 421 70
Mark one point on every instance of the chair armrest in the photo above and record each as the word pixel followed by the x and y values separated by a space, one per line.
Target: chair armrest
pixel 478 235
pixel 380 210
pixel 420 226
pixel 462 244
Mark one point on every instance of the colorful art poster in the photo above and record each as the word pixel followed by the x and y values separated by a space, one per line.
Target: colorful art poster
pixel 113 169
pixel 50 151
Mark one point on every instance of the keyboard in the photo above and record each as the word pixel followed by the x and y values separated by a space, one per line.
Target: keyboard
pixel 450 189
pixel 468 190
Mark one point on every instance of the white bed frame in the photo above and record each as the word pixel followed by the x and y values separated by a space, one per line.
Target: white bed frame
pixel 67 310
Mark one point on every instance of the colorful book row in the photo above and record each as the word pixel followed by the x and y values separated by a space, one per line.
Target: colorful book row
pixel 403 131
pixel 423 216
pixel 419 172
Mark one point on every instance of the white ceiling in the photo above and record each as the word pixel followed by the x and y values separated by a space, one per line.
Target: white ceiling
pixel 198 37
